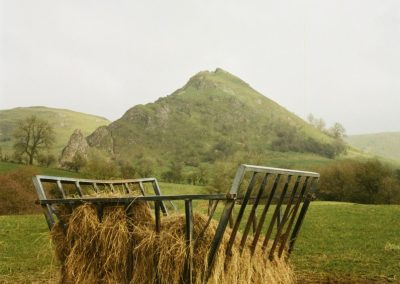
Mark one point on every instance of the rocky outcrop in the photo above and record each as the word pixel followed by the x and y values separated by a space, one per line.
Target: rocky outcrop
pixel 77 144
pixel 101 138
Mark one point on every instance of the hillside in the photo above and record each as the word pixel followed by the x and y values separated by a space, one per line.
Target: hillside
pixel 64 122
pixel 385 144
pixel 215 116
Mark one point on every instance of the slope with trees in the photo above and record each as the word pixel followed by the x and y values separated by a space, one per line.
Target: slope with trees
pixel 63 121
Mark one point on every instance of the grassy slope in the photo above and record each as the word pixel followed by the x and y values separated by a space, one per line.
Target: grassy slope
pixel 6 167
pixel 64 123
pixel 383 144
pixel 338 240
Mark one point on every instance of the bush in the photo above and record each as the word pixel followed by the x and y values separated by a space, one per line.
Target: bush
pixel 99 166
pixel 223 174
pixel 17 193
pixel 77 163
pixel 368 182
pixel 174 174
pixel 46 160
pixel 127 170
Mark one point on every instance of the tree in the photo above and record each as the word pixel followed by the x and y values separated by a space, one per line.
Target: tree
pixel 100 166
pixel 32 136
pixel 337 131
pixel 318 123
pixel 174 174
pixel 46 160
pixel 78 161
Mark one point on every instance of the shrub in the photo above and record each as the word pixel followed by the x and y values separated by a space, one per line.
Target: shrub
pixel 370 182
pixel 46 160
pixel 100 166
pixel 17 193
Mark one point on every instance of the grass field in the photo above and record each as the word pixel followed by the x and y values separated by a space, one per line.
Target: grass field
pixel 339 241
pixel 7 167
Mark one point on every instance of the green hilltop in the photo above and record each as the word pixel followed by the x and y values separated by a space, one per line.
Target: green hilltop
pixel 386 144
pixel 63 121
pixel 215 117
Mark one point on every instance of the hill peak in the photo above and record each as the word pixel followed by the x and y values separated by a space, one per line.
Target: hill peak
pixel 214 79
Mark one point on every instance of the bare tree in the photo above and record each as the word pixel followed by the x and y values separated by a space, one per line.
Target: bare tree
pixel 32 135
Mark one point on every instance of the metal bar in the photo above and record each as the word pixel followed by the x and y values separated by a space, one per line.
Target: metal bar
pixel 264 213
pixel 188 237
pixel 142 188
pixel 231 221
pixel 127 199
pixel 251 219
pixel 210 215
pixel 157 216
pixel 254 223
pixel 212 207
pixel 112 187
pixel 278 218
pixel 79 189
pixel 157 191
pixel 127 188
pixel 274 216
pixel 96 188
pixel 219 232
pixel 284 219
pixel 223 222
pixel 243 167
pixel 302 213
pixel 241 212
pixel 157 206
pixel 261 169
pixel 47 210
pixel 45 178
pixel 130 258
pixel 60 188
pixel 293 217
pixel 100 211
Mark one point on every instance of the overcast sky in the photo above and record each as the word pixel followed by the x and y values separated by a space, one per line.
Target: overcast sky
pixel 339 60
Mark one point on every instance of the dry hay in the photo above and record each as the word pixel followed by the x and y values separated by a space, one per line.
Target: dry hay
pixel 118 249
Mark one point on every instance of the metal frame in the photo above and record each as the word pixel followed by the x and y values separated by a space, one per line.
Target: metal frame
pixel 47 204
pixel 277 187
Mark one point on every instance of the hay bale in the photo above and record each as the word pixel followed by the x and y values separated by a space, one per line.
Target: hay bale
pixel 167 251
pixel 113 246
pixel 124 248
pixel 82 264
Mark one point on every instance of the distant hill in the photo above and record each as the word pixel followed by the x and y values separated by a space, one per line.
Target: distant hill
pixel 385 144
pixel 64 122
pixel 214 117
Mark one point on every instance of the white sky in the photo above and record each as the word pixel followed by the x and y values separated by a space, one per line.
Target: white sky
pixel 337 59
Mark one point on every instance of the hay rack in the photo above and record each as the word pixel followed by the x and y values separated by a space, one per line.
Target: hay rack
pixel 270 203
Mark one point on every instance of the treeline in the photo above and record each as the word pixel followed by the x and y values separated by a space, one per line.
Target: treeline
pixel 99 165
pixel 290 138
pixel 370 182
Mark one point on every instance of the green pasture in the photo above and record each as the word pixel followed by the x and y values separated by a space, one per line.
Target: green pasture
pixel 340 241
